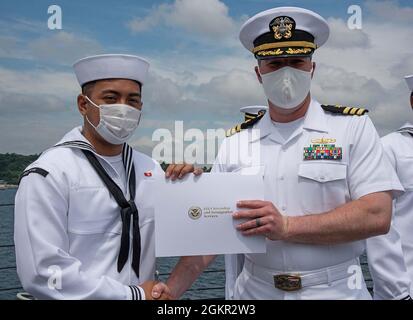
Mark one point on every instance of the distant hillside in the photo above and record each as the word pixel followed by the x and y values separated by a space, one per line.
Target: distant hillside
pixel 12 165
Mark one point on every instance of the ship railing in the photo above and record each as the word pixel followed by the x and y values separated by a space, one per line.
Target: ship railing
pixel 205 290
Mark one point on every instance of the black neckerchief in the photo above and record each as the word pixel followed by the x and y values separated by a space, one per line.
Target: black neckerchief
pixel 128 208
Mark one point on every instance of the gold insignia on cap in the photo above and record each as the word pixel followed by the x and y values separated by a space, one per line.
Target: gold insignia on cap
pixel 283 27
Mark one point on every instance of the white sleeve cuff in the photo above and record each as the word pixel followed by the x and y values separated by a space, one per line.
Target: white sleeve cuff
pixel 396 190
pixel 137 293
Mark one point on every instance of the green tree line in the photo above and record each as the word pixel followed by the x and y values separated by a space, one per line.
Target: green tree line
pixel 12 165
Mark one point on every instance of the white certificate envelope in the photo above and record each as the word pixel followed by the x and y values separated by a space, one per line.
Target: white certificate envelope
pixel 193 216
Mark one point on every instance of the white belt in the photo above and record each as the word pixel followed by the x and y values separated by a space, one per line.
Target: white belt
pixel 292 281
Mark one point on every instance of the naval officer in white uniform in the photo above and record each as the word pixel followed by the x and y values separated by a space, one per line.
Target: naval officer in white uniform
pixel 84 221
pixel 328 183
pixel 391 255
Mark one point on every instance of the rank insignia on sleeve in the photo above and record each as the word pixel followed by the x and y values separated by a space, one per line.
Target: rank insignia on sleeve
pixel 40 171
pixel 323 149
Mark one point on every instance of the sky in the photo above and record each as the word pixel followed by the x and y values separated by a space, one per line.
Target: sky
pixel 200 73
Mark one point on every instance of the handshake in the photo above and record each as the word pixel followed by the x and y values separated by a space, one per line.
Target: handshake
pixel 155 290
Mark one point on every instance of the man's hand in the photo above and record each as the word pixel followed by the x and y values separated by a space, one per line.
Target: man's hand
pixel 264 219
pixel 160 290
pixel 178 171
pixel 148 288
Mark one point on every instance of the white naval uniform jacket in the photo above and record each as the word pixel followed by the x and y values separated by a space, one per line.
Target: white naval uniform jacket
pixel 298 187
pixel 391 255
pixel 68 227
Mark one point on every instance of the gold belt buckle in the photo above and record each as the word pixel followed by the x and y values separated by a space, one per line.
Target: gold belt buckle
pixel 287 282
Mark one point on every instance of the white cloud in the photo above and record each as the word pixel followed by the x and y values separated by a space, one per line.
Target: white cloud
pixel 357 67
pixel 32 40
pixel 236 87
pixel 38 82
pixel 37 108
pixel 14 26
pixel 24 104
pixel 390 10
pixel 378 60
pixel 221 96
pixel 151 20
pixel 344 38
pixel 195 70
pixel 208 18
pixel 388 106
pixel 63 47
pixel 162 92
pixel 32 134
pixel 369 76
pixel 8 46
pixel 403 67
pixel 347 74
pixel 333 85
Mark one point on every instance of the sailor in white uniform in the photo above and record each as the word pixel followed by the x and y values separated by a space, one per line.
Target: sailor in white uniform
pixel 391 255
pixel 84 220
pixel 328 184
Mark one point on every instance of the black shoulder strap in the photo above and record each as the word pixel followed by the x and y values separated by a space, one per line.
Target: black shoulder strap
pixel 110 184
pixel 408 130
pixel 343 110
pixel 132 183
pixel 246 124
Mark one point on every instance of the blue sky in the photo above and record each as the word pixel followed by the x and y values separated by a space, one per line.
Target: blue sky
pixel 106 21
pixel 200 73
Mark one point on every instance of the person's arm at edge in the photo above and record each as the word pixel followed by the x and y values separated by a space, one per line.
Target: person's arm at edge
pixel 186 271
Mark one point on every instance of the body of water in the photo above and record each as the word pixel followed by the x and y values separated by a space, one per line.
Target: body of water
pixel 209 286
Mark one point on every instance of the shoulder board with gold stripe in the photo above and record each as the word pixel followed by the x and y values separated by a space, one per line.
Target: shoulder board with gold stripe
pixel 252 119
pixel 348 111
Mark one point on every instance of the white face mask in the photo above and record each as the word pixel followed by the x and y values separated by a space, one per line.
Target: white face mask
pixel 117 122
pixel 288 87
